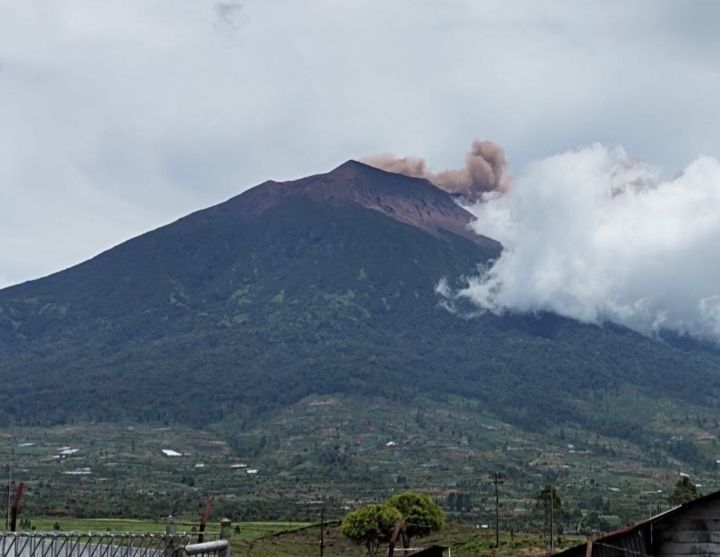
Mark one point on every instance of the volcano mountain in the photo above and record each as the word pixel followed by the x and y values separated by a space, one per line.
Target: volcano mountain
pixel 319 286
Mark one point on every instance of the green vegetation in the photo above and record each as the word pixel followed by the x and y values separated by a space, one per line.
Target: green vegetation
pixel 283 539
pixel 549 502
pixel 421 515
pixel 684 491
pixel 341 453
pixel 371 525
pixel 465 540
pixel 414 514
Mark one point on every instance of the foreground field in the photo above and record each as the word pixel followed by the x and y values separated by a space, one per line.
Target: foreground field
pixel 464 541
pixel 288 539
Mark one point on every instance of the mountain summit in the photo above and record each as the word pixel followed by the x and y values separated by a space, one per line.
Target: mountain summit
pixel 412 201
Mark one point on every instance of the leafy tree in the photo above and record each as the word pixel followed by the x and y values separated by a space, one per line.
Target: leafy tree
pixel 684 491
pixel 549 501
pixel 548 498
pixel 371 525
pixel 421 514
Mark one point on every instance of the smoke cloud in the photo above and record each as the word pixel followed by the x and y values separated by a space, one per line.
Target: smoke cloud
pixel 484 171
pixel 597 236
pixel 227 16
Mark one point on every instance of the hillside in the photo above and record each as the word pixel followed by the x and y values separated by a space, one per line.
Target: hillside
pixel 323 286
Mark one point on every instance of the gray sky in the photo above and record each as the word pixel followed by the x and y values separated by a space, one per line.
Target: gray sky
pixel 119 116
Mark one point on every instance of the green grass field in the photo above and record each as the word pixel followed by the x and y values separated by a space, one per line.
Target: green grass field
pixel 464 540
pixel 301 539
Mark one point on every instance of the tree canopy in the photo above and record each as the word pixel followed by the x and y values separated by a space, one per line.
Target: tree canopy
pixel 550 503
pixel 548 499
pixel 421 514
pixel 684 491
pixel 371 525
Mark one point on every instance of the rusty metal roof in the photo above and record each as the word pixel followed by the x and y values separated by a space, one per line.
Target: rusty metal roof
pixel 632 540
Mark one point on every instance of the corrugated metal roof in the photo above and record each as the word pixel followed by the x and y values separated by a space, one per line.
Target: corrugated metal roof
pixel 632 541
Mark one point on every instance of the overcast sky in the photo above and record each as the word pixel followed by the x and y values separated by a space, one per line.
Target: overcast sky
pixel 119 116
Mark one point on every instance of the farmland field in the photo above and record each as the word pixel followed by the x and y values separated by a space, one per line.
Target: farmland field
pixel 319 453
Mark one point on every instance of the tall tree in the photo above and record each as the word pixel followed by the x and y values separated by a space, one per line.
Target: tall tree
pixel 684 491
pixel 371 526
pixel 549 501
pixel 421 514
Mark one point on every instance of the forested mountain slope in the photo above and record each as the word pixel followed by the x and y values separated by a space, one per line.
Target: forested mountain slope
pixel 318 286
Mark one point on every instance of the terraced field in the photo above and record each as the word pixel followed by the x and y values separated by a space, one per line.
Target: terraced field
pixel 319 453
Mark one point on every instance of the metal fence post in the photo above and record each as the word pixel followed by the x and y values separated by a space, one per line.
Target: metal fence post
pixel 225 534
pixel 225 529
pixel 170 532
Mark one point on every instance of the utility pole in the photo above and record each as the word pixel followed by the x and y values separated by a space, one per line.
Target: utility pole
pixel 552 519
pixel 9 489
pixel 9 503
pixel 322 531
pixel 497 479
pixel 16 506
pixel 204 519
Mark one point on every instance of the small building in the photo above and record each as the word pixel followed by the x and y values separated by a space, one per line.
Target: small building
pixel 690 530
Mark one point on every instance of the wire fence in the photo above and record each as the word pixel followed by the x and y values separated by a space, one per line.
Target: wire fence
pixel 106 544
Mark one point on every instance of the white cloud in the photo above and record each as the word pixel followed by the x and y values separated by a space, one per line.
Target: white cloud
pixel 596 236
